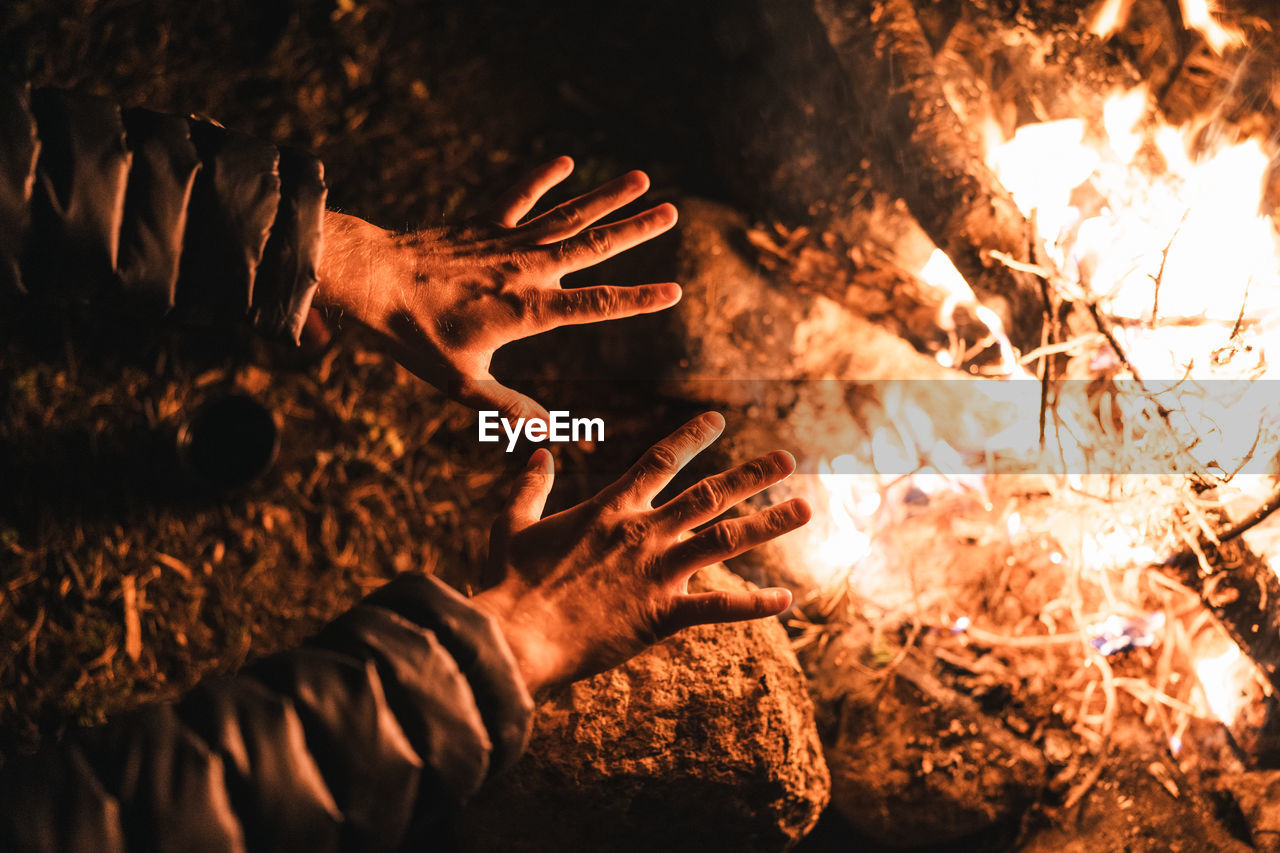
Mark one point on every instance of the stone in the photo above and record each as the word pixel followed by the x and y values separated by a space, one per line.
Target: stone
pixel 1257 794
pixel 706 741
pixel 751 338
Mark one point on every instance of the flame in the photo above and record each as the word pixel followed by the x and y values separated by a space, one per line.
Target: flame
pixel 1164 234
pixel 843 543
pixel 1110 16
pixel 1200 15
pixel 1225 679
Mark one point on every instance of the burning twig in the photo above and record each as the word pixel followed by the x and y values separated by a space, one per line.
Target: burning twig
pixel 1240 589
pixel 1158 278
pixel 1259 515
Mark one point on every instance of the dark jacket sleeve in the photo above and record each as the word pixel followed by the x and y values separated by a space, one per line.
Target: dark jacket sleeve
pixel 368 737
pixel 155 212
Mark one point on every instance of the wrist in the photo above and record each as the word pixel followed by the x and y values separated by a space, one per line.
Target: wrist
pixel 355 269
pixel 527 650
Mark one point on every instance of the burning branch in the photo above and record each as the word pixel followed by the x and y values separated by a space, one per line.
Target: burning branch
pixel 1241 590
pixel 936 160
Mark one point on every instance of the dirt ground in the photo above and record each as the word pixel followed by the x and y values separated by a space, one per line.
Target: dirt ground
pixel 122 581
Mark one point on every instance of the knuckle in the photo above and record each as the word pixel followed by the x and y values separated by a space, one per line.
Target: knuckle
pixel 661 459
pixel 634 532
pixel 756 471
pixel 564 252
pixel 515 264
pixel 780 520
pixel 724 537
pixel 530 307
pixel 706 497
pixel 598 242
pixel 569 217
pixel 606 301
pixel 664 621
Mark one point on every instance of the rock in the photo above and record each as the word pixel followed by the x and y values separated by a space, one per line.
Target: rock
pixel 1257 793
pixel 747 338
pixel 705 742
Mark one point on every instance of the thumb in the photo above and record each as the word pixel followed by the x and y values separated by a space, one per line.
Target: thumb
pixel 529 498
pixel 524 507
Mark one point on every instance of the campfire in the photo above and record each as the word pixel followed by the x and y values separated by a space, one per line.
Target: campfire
pixel 1042 563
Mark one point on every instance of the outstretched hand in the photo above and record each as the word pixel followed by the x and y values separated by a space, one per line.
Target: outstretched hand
pixel 592 586
pixel 445 299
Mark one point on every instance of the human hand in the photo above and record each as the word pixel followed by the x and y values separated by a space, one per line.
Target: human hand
pixel 445 299
pixel 594 585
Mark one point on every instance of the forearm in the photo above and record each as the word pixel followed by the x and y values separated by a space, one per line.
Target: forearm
pixel 369 736
pixel 359 270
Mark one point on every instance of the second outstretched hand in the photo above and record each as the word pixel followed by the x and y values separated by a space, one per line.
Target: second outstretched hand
pixel 445 299
pixel 587 588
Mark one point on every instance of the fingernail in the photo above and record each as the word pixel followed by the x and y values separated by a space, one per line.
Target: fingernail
pixel 716 420
pixel 540 458
pixel 785 461
pixel 670 292
pixel 780 598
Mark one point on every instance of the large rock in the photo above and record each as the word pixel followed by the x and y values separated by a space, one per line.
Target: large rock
pixel 705 742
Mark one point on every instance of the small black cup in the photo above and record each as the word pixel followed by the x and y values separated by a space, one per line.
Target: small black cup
pixel 228 441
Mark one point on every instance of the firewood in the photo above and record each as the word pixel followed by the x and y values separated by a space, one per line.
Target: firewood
pixel 934 157
pixel 1244 594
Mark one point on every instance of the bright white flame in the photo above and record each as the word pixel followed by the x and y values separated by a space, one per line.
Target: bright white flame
pixel 1224 679
pixel 1199 15
pixel 1115 549
pixel 1110 16
pixel 940 272
pixel 844 543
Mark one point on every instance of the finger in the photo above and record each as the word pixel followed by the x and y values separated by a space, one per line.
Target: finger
pixel 704 501
pixel 594 245
pixel 488 394
pixel 515 203
pixel 530 496
pixel 727 539
pixel 569 218
pixel 593 304
pixel 722 606
pixel 664 460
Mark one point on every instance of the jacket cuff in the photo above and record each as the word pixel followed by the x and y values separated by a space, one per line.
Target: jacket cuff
pixel 290 269
pixel 481 652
